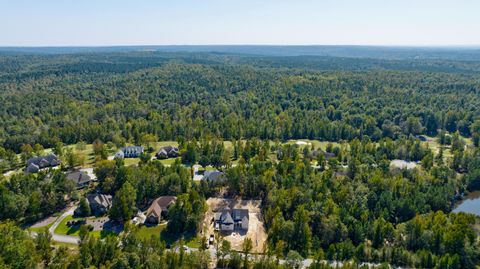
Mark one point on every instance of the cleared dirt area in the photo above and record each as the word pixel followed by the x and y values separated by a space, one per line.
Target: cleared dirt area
pixel 256 230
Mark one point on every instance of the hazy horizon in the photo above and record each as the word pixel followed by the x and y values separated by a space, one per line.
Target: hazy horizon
pixel 56 23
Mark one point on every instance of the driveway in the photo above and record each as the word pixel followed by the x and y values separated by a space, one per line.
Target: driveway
pixel 60 237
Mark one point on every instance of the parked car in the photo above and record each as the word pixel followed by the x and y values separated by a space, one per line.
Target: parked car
pixel 211 239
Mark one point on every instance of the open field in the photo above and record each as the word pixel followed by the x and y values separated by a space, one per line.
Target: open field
pixel 256 230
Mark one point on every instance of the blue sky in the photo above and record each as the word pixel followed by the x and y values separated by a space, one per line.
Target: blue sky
pixel 167 22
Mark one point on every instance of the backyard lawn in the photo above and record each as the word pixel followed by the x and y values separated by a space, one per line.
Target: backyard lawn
pixel 145 232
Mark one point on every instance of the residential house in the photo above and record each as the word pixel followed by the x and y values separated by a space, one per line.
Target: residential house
pixel 129 152
pixel 80 178
pixel 326 155
pixel 214 176
pixel 36 163
pixel 167 152
pixel 99 203
pixel 159 209
pixel 229 220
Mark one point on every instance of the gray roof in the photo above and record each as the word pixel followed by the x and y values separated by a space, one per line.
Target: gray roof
pixel 33 168
pixel 226 217
pixel 133 150
pixel 100 199
pixel 44 161
pixel 79 177
pixel 327 155
pixel 213 175
pixel 230 216
pixel 167 151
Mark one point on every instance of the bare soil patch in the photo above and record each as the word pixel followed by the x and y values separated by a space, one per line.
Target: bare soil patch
pixel 256 230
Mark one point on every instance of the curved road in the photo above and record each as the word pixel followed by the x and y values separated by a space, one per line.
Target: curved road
pixel 63 238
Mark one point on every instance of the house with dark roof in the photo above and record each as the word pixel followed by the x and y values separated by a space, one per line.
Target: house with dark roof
pixel 326 155
pixel 167 152
pixel 229 220
pixel 158 210
pixel 99 203
pixel 35 164
pixel 214 176
pixel 129 152
pixel 80 178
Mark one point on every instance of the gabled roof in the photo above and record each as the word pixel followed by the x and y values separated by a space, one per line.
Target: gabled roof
pixel 79 177
pixel 44 161
pixel 213 175
pixel 133 150
pixel 100 199
pixel 229 216
pixel 226 217
pixel 160 204
pixel 239 214
pixel 327 155
pixel 33 168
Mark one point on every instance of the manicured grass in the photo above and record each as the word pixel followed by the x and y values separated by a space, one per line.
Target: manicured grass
pixel 158 145
pixel 169 161
pixel 102 233
pixel 131 161
pixel 145 232
pixel 193 242
pixel 62 228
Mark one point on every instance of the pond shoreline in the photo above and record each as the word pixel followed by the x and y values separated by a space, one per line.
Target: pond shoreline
pixel 469 203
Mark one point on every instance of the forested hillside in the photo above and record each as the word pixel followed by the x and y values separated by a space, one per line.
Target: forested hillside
pixel 71 98
pixel 314 139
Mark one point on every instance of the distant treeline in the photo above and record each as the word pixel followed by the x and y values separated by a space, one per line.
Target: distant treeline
pixel 83 97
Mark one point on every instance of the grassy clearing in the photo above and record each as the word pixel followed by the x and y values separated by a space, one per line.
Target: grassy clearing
pixel 145 232
pixel 62 228
pixel 316 143
pixel 131 161
pixel 159 232
pixel 169 161
pixel 158 145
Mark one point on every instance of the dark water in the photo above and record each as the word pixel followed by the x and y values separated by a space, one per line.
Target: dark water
pixel 470 204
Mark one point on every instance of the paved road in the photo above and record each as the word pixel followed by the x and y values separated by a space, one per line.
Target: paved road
pixel 63 238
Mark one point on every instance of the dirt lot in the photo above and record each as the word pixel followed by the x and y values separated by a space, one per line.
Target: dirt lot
pixel 256 230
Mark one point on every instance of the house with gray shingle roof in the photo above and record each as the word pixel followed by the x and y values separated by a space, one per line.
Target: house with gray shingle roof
pixel 167 152
pixel 129 152
pixel 229 220
pixel 214 176
pixel 80 178
pixel 159 209
pixel 35 164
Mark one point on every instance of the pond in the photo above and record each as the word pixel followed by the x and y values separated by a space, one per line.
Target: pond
pixel 469 204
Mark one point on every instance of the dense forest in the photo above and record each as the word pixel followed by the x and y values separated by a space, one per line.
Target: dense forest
pixel 349 206
pixel 72 98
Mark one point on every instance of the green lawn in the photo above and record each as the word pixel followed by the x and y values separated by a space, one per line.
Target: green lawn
pixel 145 232
pixel 131 161
pixel 62 228
pixel 158 145
pixel 169 161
